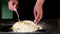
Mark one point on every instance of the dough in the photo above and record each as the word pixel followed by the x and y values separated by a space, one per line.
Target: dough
pixel 25 26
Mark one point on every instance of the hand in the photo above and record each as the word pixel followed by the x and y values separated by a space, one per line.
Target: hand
pixel 12 5
pixel 38 12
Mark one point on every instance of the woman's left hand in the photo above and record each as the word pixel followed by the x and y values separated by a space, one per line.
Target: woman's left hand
pixel 38 12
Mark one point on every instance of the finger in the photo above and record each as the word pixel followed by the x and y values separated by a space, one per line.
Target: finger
pixel 39 17
pixel 15 5
pixel 35 13
pixel 10 6
pixel 36 20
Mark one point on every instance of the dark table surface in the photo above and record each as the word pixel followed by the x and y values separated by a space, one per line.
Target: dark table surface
pixel 50 26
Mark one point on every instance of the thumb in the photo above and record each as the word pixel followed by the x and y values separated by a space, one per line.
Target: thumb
pixel 35 21
pixel 15 8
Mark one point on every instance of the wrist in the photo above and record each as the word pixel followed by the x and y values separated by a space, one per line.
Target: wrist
pixel 40 2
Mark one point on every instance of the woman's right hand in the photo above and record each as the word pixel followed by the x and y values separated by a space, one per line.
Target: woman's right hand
pixel 12 5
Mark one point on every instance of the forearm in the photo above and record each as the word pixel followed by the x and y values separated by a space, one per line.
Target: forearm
pixel 41 1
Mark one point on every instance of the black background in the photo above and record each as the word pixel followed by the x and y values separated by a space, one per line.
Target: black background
pixel 50 9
